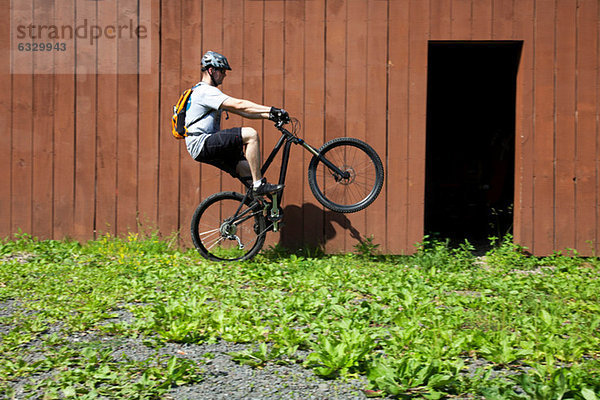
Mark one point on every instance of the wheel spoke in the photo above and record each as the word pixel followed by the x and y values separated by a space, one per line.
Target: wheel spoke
pixel 222 230
pixel 211 238
pixel 209 232
pixel 217 241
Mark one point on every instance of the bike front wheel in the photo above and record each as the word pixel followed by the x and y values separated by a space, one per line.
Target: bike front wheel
pixel 225 228
pixel 360 183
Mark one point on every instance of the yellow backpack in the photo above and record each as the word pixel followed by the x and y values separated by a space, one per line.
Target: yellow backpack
pixel 179 128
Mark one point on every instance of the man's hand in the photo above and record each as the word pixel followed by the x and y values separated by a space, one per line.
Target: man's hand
pixel 279 114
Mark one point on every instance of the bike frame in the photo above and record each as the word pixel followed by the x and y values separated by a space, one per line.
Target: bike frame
pixel 285 141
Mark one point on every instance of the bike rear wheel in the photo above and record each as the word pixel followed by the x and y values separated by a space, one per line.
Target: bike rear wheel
pixel 224 228
pixel 362 183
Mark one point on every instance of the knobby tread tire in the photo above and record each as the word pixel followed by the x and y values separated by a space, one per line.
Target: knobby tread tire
pixel 362 203
pixel 203 206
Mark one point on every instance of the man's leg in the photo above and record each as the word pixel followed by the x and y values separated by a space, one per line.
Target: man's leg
pixel 243 169
pixel 252 152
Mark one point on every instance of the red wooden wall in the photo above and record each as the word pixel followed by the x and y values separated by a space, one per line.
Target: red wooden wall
pixel 87 153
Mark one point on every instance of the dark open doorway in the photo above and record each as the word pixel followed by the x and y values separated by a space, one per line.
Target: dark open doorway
pixel 471 102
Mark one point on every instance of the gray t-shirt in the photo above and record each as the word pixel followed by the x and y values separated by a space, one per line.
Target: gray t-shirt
pixel 204 102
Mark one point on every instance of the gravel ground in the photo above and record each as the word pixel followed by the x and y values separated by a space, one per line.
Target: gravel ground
pixel 226 379
pixel 223 378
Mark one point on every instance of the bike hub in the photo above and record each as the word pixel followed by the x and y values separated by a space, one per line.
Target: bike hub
pixel 350 176
pixel 228 229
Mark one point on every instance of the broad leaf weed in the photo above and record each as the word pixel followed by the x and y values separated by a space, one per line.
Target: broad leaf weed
pixel 439 323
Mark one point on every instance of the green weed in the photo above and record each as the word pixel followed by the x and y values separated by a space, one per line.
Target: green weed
pixel 413 325
pixel 367 248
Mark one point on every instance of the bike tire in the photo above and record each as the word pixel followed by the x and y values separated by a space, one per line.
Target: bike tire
pixel 217 236
pixel 360 189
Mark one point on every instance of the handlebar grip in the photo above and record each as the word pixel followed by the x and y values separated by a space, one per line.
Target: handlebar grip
pixel 279 114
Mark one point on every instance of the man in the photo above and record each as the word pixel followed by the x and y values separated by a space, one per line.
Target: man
pixel 233 150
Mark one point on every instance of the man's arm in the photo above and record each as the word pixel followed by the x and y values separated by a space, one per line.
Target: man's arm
pixel 245 108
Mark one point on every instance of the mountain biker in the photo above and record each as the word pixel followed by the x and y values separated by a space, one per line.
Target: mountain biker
pixel 235 149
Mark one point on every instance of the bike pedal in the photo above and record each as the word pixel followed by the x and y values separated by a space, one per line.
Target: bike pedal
pixel 275 217
pixel 275 226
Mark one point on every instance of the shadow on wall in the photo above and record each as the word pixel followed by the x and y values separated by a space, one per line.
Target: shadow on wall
pixel 311 227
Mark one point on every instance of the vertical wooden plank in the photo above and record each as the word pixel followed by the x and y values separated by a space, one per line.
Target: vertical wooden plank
pixel 148 115
pixel 398 111
pixel 106 184
pixel 168 194
pixel 597 132
pixel 523 29
pixel 22 140
pixel 5 118
pixel 587 223
pixel 252 56
pixel 190 75
pixel 314 110
pixel 441 19
pixel 85 127
pixel 418 39
pixel 481 24
pixel 293 100
pixel 64 132
pixel 376 117
pixel 42 130
pixel 354 227
pixel 127 90
pixel 212 39
pixel 273 78
pixel 543 222
pixel 462 24
pixel 335 94
pixel 233 49
pixel 503 15
pixel 565 125
pixel 234 25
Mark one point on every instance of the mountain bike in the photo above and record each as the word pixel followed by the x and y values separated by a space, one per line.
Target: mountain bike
pixel 345 175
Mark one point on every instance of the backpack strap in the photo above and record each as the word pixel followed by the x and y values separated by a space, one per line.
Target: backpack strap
pixel 200 117
pixel 196 120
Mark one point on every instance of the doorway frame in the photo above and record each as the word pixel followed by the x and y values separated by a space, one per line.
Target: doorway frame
pixel 520 119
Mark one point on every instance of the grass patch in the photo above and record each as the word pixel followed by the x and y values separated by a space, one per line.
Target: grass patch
pixel 439 323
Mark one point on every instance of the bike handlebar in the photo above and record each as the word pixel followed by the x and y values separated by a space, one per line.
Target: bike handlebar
pixel 294 123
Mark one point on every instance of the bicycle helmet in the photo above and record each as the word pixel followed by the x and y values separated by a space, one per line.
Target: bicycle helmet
pixel 215 60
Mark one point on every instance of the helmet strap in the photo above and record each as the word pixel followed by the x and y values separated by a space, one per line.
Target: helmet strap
pixel 215 84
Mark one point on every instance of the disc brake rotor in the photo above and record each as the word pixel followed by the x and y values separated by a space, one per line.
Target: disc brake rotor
pixel 349 179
